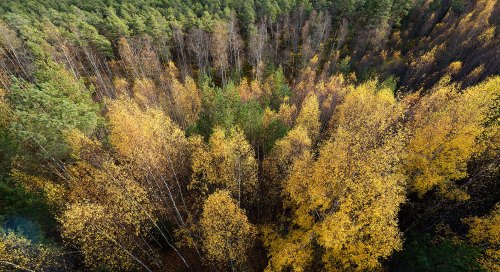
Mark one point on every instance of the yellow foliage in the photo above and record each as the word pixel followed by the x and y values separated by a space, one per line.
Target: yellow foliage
pixel 187 99
pixel 428 58
pixel 455 67
pixel 84 148
pixel 53 192
pixel 121 87
pixel 294 252
pixel 486 231
pixel 250 91
pixel 286 113
pixel 227 233
pixel 487 35
pixel 186 96
pixel 347 200
pixel 108 216
pixel 18 253
pixel 227 162
pixel 444 129
pixel 147 140
pixel 308 116
pixel 280 161
pixel 144 91
pixel 476 72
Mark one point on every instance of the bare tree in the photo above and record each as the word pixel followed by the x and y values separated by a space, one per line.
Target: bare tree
pixel 198 42
pixel 219 49
pixel 258 44
pixel 235 43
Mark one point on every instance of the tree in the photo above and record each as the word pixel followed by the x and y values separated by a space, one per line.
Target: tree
pixel 279 163
pixel 257 49
pixel 277 166
pixel 18 253
pixel 484 231
pixel 198 42
pixel 235 45
pixel 186 96
pixel 117 27
pixel 444 126
pixel 347 200
pixel 227 162
pixel 43 111
pixel 154 149
pixel 145 92
pixel 227 233
pixel 147 138
pixel 219 49
pixel 108 214
pixel 309 115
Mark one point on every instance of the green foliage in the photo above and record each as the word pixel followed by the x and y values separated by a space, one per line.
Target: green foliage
pixel 222 107
pixel 44 111
pixel 16 201
pixel 280 89
pixel 420 253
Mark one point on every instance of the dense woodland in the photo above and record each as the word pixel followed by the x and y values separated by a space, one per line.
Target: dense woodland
pixel 249 135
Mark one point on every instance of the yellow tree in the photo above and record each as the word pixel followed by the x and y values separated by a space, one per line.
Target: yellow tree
pixel 18 253
pixel 485 231
pixel 186 97
pixel 156 153
pixel 108 214
pixel 347 200
pixel 278 164
pixel 249 91
pixel 148 140
pixel 227 233
pixel 227 162
pixel 445 125
pixel 145 92
pixel 309 116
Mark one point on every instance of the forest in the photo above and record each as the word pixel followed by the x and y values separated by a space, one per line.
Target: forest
pixel 249 135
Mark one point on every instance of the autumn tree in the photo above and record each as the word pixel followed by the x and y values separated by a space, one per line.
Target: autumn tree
pixel 108 213
pixel 484 231
pixel 235 43
pixel 153 147
pixel 309 115
pixel 219 49
pixel 444 128
pixel 227 233
pixel 347 200
pixel 258 46
pixel 144 92
pixel 146 137
pixel 186 97
pixel 227 162
pixel 278 164
pixel 18 253
pixel 199 41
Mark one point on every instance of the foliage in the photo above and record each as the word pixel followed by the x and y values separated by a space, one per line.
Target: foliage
pixel 484 230
pixel 421 253
pixel 17 253
pixel 445 126
pixel 227 233
pixel 43 112
pixel 227 162
pixel 203 135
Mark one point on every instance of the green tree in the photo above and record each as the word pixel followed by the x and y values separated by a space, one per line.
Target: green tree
pixel 43 111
